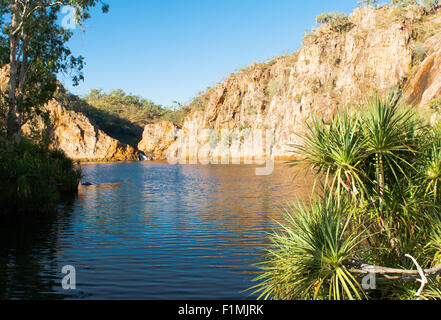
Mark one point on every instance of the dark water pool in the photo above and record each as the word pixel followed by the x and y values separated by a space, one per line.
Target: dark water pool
pixel 150 231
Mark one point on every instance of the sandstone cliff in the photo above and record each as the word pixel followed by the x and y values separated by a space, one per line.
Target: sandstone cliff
pixel 386 47
pixel 74 133
pixel 157 138
pixel 79 138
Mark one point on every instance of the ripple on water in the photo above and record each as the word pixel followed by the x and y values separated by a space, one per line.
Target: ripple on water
pixel 150 231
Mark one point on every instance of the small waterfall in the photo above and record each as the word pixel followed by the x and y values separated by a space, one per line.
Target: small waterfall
pixel 143 157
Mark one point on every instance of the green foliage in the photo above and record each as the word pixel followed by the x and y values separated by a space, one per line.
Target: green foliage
pixel 429 4
pixel 177 113
pixel 336 151
pixel 33 44
pixel 431 166
pixel 419 53
pixel 435 104
pixel 33 176
pixel 200 103
pixel 117 111
pixel 309 37
pixel 368 2
pixel 307 258
pixel 380 173
pixel 338 22
pixel 132 108
pixel 36 53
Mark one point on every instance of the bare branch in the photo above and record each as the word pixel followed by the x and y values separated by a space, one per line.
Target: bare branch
pixel 391 274
pixel 366 268
pixel 423 279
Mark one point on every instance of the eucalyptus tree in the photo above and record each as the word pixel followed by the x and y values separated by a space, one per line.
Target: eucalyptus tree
pixel 33 43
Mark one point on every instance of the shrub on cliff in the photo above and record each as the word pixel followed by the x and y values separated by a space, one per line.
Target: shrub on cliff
pixel 338 22
pixel 32 177
pixel 378 217
pixel 429 4
pixel 125 106
pixel 177 113
pixel 419 53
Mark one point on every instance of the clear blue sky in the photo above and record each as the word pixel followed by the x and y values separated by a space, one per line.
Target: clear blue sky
pixel 167 50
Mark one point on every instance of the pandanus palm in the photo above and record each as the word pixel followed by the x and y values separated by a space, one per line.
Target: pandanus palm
pixel 388 133
pixel 432 166
pixel 361 152
pixel 389 137
pixel 308 255
pixel 335 151
pixel 377 173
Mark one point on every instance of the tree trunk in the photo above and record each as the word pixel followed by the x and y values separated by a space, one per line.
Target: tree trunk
pixel 22 80
pixel 12 119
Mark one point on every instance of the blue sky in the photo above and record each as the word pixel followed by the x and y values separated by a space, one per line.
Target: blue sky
pixel 167 50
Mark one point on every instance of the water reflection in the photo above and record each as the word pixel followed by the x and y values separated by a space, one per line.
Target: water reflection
pixel 151 231
pixel 29 267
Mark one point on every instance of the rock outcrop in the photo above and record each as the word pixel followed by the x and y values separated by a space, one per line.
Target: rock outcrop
pixel 157 138
pixel 74 133
pixel 387 47
pixel 260 110
pixel 79 138
pixel 426 83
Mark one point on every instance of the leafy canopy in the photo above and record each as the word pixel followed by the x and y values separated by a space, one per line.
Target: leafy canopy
pixel 33 43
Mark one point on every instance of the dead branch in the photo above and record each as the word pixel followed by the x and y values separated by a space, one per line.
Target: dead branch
pixel 392 274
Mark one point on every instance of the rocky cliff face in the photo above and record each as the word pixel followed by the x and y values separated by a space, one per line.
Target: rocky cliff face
pixel 79 138
pixel 157 139
pixel 74 133
pixel 386 47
